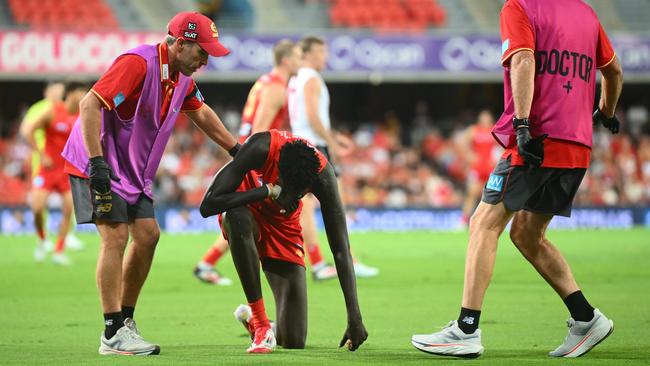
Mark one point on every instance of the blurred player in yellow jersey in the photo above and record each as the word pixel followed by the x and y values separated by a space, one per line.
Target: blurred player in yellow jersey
pixel 46 127
pixel 53 93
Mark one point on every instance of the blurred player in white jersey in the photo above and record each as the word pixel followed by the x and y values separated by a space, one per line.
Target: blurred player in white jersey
pixel 309 103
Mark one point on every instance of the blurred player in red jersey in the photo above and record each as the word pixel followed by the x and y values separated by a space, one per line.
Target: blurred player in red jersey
pixel 480 146
pixel 56 121
pixel 265 109
pixel 258 195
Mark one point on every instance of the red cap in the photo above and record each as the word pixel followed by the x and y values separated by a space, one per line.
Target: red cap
pixel 196 27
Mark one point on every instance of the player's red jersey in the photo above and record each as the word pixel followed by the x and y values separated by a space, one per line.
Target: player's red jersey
pixel 253 102
pixel 280 236
pixel 53 178
pixel 483 144
pixel 56 134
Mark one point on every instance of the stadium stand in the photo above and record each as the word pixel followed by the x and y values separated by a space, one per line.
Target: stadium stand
pixel 63 14
pixel 387 14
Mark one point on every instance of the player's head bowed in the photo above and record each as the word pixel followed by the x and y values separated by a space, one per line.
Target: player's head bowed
pixel 299 166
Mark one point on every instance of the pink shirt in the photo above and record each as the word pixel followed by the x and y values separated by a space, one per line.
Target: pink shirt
pixel 569 44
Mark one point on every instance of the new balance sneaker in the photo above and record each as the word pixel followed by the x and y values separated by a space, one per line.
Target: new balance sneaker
pixel 211 276
pixel 450 341
pixel 126 342
pixel 61 259
pixel 323 272
pixel 364 271
pixel 583 336
pixel 74 243
pixel 263 341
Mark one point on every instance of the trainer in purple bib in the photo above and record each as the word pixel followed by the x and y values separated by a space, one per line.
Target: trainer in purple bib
pixel 133 148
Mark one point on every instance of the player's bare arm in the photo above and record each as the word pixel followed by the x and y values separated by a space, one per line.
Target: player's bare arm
pixel 222 195
pixel 272 98
pixel 326 191
pixel 210 123
pixel 312 95
pixel 27 129
pixel 612 84
pixel 522 74
pixel 91 123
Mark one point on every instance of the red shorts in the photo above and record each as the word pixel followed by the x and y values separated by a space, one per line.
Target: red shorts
pixel 52 179
pixel 279 238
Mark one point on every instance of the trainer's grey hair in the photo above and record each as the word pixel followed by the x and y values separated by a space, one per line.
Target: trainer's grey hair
pixel 170 39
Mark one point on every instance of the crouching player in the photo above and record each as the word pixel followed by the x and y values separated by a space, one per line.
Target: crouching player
pixel 258 196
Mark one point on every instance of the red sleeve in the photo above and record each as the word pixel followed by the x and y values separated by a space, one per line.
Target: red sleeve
pixel 193 99
pixel 123 79
pixel 516 31
pixel 604 51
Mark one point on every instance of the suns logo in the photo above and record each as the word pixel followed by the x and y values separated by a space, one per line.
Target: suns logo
pixel 215 32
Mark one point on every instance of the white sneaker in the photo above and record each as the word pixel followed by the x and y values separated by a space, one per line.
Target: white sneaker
pixel 73 243
pixel 583 336
pixel 48 246
pixel 40 250
pixel 323 272
pixel 363 271
pixel 126 342
pixel 61 259
pixel 450 341
pixel 211 276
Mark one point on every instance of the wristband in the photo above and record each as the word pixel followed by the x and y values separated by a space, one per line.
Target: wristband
pixel 234 150
pixel 518 123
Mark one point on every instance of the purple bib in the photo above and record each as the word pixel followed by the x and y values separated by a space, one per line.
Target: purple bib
pixel 133 148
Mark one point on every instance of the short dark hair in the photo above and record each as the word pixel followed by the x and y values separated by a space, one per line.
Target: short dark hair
pixel 308 42
pixel 299 166
pixel 71 86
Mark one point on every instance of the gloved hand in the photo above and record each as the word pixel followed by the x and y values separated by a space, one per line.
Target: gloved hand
pixel 100 185
pixel 612 124
pixel 530 149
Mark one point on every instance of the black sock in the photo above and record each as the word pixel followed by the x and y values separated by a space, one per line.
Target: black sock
pixel 579 307
pixel 127 311
pixel 468 320
pixel 113 322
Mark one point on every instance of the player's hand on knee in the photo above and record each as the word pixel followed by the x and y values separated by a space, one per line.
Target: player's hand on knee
pixel 612 124
pixel 100 185
pixel 354 335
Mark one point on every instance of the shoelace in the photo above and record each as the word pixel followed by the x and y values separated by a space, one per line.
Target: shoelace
pixel 260 335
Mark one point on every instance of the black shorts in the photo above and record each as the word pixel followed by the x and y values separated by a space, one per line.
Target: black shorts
pixel 325 151
pixel 121 211
pixel 548 191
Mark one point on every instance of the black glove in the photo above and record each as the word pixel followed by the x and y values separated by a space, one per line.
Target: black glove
pixel 100 185
pixel 530 149
pixel 611 124
pixel 234 150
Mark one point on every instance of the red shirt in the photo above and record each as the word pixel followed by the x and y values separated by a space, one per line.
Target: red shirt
pixel 121 86
pixel 518 35
pixel 57 133
pixel 253 103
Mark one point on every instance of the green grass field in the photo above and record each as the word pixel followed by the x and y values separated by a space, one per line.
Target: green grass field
pixel 51 315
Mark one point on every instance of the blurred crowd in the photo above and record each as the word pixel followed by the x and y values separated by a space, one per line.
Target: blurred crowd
pixel 420 163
